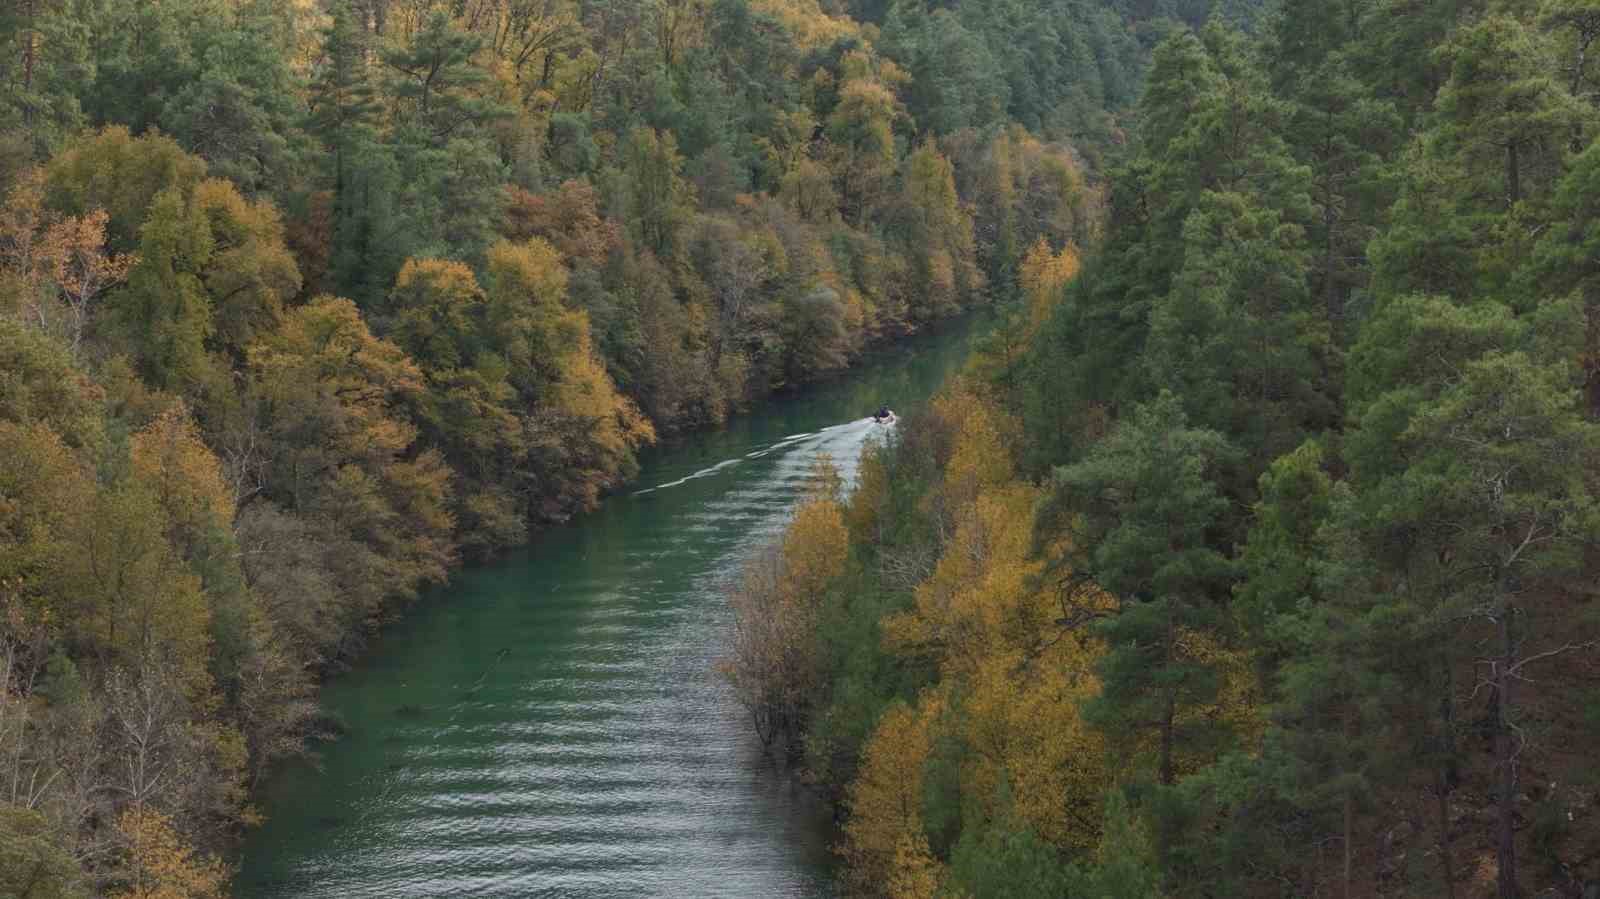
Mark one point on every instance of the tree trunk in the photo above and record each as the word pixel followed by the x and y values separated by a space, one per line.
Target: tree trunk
pixel 1170 712
pixel 1330 287
pixel 1505 758
pixel 1441 790
pixel 1513 174
pixel 1166 739
pixel 29 44
pixel 1447 739
pixel 1585 38
pixel 30 53
pixel 1349 839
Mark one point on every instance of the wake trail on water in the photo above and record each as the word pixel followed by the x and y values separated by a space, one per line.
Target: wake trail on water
pixel 825 439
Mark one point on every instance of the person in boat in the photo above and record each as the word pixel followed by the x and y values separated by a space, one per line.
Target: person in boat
pixel 882 415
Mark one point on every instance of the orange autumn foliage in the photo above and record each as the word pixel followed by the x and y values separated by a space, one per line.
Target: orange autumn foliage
pixel 568 217
pixel 579 416
pixel 56 266
pixel 344 448
pixel 161 865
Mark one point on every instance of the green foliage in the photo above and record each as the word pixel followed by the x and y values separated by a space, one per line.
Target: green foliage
pixel 122 174
pixel 1004 860
pixel 956 81
pixel 450 175
pixel 434 86
pixel 240 107
pixel 1147 504
pixel 164 314
pixel 1241 294
pixel 46 48
pixel 655 200
pixel 1316 413
pixel 1278 557
pixel 1126 864
pixel 342 101
pixel 39 383
pixel 35 863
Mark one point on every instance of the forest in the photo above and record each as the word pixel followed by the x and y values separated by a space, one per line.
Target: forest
pixel 1255 553
pixel 305 303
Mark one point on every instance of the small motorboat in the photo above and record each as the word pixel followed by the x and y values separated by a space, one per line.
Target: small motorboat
pixel 883 416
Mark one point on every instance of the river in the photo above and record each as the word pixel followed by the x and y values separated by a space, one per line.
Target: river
pixel 551 724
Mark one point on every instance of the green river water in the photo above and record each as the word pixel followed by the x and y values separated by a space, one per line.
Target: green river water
pixel 551 725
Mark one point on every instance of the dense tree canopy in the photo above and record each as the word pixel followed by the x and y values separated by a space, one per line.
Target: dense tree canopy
pixel 305 302
pixel 1310 436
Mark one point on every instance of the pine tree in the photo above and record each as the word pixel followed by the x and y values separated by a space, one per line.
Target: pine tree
pixel 242 108
pixel 344 116
pixel 1148 507
pixel 343 103
pixel 1341 131
pixel 436 88
pixel 1238 338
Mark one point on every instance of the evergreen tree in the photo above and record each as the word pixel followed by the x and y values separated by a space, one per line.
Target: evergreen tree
pixel 342 99
pixel 436 89
pixel 45 49
pixel 1148 510
pixel 343 116
pixel 1341 132
pixel 1238 339
pixel 242 108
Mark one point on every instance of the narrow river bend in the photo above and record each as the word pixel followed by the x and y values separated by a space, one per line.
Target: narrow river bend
pixel 551 725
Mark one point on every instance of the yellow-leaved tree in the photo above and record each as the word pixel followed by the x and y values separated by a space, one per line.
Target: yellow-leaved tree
pixel 775 664
pixel 972 439
pixel 170 457
pixel 1043 276
pixel 884 843
pixel 160 865
pixel 938 236
pixel 1013 674
pixel 806 20
pixel 580 425
pixel 994 630
pixel 885 799
pixel 340 449
pixel 44 489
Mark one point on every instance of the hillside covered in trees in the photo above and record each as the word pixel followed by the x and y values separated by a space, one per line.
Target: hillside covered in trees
pixel 1256 555
pixel 305 302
